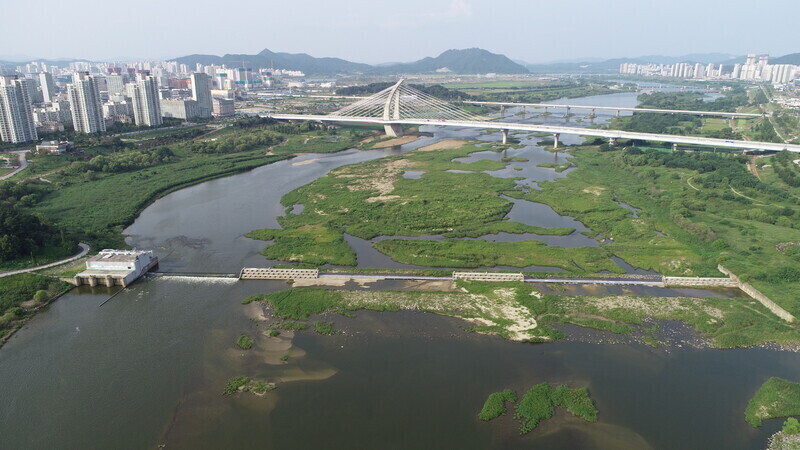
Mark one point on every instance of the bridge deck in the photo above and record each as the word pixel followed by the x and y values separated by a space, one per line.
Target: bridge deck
pixel 615 134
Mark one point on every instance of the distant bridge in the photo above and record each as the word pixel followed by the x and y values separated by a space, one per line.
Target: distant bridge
pixel 401 105
pixel 593 109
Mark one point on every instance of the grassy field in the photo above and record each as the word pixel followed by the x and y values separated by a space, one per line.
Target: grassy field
pixel 775 398
pixel 703 226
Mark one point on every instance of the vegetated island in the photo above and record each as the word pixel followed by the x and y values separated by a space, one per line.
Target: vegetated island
pixel 774 399
pixel 539 404
pixel 245 384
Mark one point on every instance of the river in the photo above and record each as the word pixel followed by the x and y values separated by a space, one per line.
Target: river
pixel 148 368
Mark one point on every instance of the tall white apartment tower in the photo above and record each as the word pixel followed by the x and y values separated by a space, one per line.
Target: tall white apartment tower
pixel 146 103
pixel 86 104
pixel 201 93
pixel 48 86
pixel 16 114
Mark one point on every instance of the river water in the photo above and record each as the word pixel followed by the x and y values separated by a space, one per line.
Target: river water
pixel 148 367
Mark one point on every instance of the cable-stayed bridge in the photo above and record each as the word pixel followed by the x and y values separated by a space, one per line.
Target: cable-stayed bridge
pixel 401 104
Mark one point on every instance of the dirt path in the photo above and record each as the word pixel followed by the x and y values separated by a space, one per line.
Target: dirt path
pixel 689 182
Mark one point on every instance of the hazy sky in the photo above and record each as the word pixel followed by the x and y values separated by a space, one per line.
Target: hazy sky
pixel 375 31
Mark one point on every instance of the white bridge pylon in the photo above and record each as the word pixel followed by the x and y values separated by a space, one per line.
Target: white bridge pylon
pixel 403 102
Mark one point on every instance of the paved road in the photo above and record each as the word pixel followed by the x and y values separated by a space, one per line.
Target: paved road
pixel 81 254
pixel 23 163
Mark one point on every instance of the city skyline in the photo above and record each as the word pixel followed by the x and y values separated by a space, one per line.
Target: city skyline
pixel 359 31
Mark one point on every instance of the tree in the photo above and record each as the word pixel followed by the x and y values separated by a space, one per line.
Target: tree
pixel 791 426
pixel 41 296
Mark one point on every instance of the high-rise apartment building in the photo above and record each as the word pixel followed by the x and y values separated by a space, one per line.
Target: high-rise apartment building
pixel 48 86
pixel 145 99
pixel 86 104
pixel 16 113
pixel 201 93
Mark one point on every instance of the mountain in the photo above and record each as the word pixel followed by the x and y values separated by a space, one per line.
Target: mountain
pixel 467 61
pixel 292 61
pixel 472 60
pixel 792 58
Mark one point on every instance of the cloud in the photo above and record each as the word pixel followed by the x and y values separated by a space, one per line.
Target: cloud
pixel 458 10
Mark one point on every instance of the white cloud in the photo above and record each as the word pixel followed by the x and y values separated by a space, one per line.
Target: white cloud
pixel 458 10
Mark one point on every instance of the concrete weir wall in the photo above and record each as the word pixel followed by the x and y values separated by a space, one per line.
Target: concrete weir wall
pixel 488 276
pixel 756 294
pixel 269 273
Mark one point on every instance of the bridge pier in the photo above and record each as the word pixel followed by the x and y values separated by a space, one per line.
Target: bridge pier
pixel 618 113
pixel 612 142
pixel 555 139
pixel 674 147
pixel 592 115
pixel 568 114
pixel 505 136
pixel 393 129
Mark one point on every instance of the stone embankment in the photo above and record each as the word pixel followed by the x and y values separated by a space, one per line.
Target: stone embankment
pixel 756 294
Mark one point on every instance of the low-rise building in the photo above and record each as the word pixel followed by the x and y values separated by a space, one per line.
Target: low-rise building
pixel 54 147
pixel 116 267
pixel 222 107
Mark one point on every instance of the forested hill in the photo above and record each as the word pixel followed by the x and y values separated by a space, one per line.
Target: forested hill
pixel 469 61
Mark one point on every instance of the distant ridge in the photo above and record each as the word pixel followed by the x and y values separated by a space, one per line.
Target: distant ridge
pixel 792 58
pixel 468 61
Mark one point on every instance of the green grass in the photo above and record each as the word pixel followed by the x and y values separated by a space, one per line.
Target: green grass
pixel 234 384
pixel 775 398
pixel 310 244
pixel 244 342
pixel 495 405
pixel 539 403
pixel 480 253
pixel 325 328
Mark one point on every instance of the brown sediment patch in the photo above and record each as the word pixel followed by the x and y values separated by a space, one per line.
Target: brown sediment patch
pixel 396 141
pixel 381 180
pixel 382 198
pixel 596 190
pixel 332 281
pixel 303 163
pixel 447 144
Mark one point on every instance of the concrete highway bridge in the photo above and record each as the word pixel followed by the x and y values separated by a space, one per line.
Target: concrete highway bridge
pixel 401 105
pixel 619 109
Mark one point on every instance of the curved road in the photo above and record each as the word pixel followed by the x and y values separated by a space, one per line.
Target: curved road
pixel 23 163
pixel 82 253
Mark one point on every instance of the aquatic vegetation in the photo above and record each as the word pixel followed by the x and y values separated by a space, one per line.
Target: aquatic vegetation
pixel 539 403
pixel 495 405
pixel 244 342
